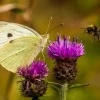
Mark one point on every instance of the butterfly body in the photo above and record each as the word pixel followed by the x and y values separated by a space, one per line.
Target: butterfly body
pixel 19 45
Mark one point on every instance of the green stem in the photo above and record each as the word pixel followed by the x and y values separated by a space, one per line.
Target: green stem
pixel 35 98
pixel 9 86
pixel 64 90
pixel 55 83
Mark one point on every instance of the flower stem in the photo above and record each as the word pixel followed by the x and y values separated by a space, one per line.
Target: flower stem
pixel 35 98
pixel 9 86
pixel 64 90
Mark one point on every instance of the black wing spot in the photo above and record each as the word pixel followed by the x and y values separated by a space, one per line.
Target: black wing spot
pixel 9 35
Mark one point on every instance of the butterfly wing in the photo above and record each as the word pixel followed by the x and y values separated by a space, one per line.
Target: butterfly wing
pixel 19 45
pixel 20 52
pixel 11 31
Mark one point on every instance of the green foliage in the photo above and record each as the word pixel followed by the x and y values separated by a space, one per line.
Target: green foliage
pixel 17 10
pixel 77 86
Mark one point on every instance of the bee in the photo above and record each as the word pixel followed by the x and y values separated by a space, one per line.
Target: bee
pixel 94 31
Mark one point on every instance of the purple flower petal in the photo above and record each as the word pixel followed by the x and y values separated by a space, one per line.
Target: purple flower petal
pixel 37 69
pixel 64 48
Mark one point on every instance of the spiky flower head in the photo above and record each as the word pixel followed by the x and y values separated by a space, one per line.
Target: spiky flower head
pixel 33 83
pixel 65 53
pixel 37 69
pixel 64 48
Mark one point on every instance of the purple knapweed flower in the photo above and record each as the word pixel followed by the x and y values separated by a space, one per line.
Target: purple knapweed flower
pixel 33 83
pixel 64 48
pixel 65 54
pixel 37 69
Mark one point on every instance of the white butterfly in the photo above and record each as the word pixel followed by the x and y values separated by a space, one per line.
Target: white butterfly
pixel 19 45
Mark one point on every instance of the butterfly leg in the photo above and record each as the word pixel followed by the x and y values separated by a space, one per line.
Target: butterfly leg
pixel 43 56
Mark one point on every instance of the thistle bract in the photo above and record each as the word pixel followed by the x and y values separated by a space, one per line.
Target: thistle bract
pixel 33 89
pixel 33 84
pixel 65 54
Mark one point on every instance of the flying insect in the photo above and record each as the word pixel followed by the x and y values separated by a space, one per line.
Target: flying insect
pixel 94 31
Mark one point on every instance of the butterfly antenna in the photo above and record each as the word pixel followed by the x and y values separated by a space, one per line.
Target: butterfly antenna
pixel 48 25
pixel 56 27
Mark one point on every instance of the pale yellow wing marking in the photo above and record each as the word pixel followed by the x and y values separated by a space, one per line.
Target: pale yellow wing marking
pixel 20 52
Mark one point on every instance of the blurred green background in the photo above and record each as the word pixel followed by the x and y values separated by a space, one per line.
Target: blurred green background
pixel 75 14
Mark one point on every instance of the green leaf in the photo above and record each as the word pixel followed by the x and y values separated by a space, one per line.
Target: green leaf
pixel 12 7
pixel 55 87
pixel 78 85
pixel 17 10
